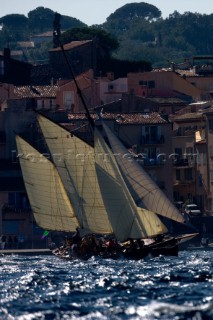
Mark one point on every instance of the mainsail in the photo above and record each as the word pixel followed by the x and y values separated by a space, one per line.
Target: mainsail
pixel 49 202
pixel 144 187
pixel 75 162
pixel 128 220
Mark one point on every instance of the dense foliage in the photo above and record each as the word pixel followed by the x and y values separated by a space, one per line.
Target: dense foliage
pixel 17 27
pixel 101 37
pixel 178 37
pixel 138 28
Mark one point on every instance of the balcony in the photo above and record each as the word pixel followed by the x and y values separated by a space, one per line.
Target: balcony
pixel 184 182
pixel 153 162
pixel 183 162
pixel 14 210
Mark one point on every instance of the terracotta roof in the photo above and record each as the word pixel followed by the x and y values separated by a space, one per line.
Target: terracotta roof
pixel 26 44
pixel 167 101
pixel 84 80
pixel 124 118
pixel 71 45
pixel 13 53
pixel 35 91
pixel 81 116
pixel 188 116
pixel 45 34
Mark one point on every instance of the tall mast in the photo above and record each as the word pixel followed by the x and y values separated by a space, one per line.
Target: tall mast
pixel 91 121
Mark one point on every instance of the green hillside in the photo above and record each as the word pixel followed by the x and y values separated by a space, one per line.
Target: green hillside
pixel 139 29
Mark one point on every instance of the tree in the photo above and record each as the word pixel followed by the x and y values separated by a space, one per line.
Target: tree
pixel 14 21
pixel 15 27
pixel 102 38
pixel 41 19
pixel 70 22
pixel 137 11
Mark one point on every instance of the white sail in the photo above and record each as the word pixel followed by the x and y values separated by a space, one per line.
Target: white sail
pixel 128 220
pixel 75 162
pixel 48 199
pixel 144 187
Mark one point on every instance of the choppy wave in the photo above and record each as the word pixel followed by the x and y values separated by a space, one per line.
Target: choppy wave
pixel 38 287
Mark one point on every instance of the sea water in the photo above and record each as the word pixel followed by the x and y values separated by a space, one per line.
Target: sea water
pixel 46 287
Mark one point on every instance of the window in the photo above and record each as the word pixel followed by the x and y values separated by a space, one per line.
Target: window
pixel 190 196
pixel 188 174
pixel 204 158
pixel 151 134
pixel 152 153
pixel 200 181
pixel 211 151
pixel 68 99
pixel 189 153
pixel 177 155
pixel 178 151
pixel 151 84
pixel 211 125
pixel 142 83
pixel 178 175
pixel 18 200
pixel 211 175
pixel 11 198
pixel 1 68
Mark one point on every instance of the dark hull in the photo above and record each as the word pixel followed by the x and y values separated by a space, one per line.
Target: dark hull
pixel 133 254
pixel 171 250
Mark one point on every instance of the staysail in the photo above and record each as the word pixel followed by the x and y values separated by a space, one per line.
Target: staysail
pixel 128 220
pixel 75 162
pixel 48 199
pixel 144 187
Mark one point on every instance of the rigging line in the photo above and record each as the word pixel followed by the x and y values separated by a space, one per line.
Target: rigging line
pixel 91 121
pixel 58 198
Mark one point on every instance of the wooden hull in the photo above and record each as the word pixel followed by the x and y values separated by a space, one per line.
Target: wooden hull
pixel 134 254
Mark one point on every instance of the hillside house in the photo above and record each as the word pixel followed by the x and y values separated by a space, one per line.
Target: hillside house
pixel 81 54
pixel 162 83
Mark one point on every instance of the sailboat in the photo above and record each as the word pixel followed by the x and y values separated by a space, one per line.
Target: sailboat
pixel 80 185
pixel 102 197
